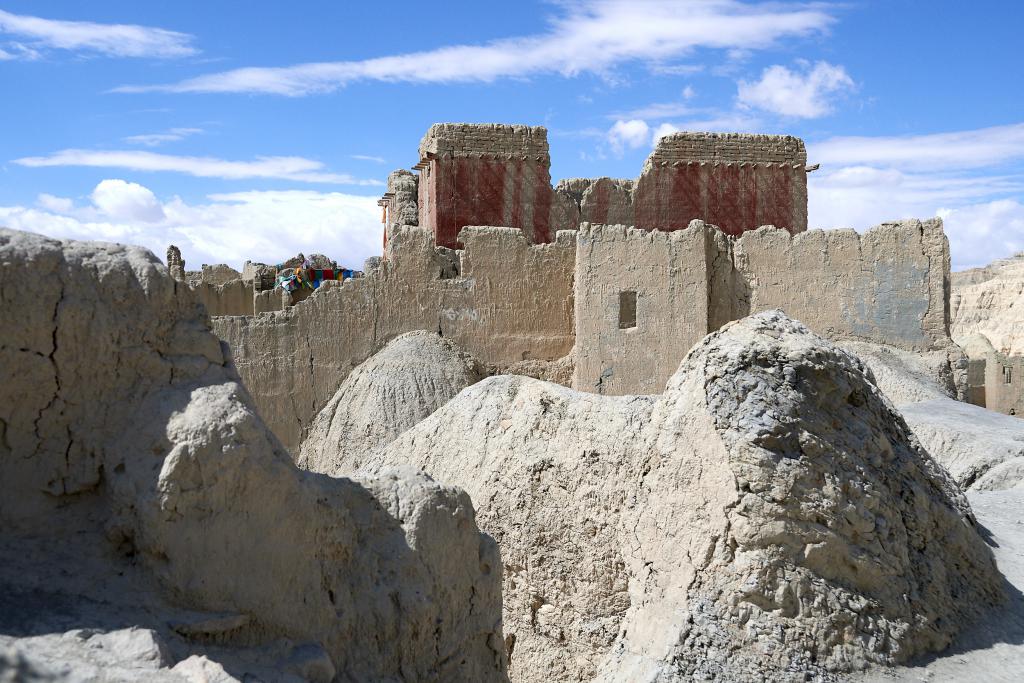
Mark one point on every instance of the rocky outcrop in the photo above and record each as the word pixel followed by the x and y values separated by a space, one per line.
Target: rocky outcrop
pixel 406 381
pixel 769 516
pixel 120 419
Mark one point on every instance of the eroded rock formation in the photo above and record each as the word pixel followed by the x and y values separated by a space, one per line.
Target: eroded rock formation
pixel 770 515
pixel 396 388
pixel 121 422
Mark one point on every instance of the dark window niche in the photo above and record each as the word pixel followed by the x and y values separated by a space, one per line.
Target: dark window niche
pixel 627 310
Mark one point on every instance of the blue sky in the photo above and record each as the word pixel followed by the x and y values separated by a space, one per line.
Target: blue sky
pixel 256 130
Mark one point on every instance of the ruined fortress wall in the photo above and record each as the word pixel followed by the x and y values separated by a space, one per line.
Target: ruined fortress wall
pixel 1003 379
pixel 511 301
pixel 886 286
pixel 889 285
pixel 495 174
pixel 403 192
pixel 489 174
pixel 608 201
pixel 662 279
pixel 234 297
pixel 734 181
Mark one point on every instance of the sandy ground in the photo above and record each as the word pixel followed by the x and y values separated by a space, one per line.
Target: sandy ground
pixel 993 650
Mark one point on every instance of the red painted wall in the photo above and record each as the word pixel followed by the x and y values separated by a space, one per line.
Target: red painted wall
pixel 460 191
pixel 735 197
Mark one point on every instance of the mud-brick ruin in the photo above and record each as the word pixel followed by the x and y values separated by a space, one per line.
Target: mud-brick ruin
pixel 500 175
pixel 602 430
pixel 584 282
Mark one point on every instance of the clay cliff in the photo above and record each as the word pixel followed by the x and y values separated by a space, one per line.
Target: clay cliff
pixel 124 431
pixel 989 301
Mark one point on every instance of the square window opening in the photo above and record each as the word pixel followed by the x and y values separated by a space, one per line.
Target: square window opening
pixel 627 310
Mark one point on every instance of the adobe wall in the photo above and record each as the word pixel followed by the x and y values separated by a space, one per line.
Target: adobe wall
pixel 889 285
pixel 487 174
pixel 234 297
pixel 502 299
pixel 1004 383
pixel 995 380
pixel 669 272
pixel 734 181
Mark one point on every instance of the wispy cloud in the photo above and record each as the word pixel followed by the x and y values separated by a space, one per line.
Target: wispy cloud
pixel 805 92
pixel 592 37
pixel 11 51
pixel 156 139
pixel 282 168
pixel 112 40
pixel 365 157
pixel 955 150
pixel 677 69
pixel 655 111
pixel 268 226
pixel 972 178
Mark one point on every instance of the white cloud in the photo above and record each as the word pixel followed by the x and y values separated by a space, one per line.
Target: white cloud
pixel 973 179
pixel 155 139
pixel 229 228
pixel 590 37
pixel 689 93
pixel 804 93
pixel 113 40
pixel 283 168
pixel 120 200
pixel 365 157
pixel 980 233
pixel 628 134
pixel 677 69
pixel 723 123
pixel 955 150
pixel 52 203
pixel 981 225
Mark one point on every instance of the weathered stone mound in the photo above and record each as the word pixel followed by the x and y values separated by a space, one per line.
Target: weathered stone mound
pixel 406 381
pixel 769 516
pixel 119 417
pixel 841 529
